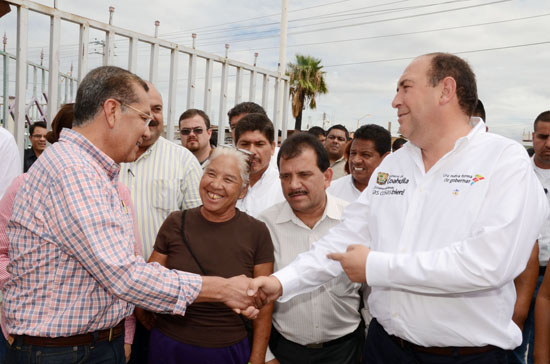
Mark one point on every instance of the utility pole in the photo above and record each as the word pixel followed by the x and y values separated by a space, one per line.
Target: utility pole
pixel 282 98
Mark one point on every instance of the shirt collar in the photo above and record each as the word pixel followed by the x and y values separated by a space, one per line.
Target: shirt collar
pixel 110 166
pixel 286 214
pixel 149 150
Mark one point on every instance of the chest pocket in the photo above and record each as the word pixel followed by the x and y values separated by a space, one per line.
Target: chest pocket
pixel 165 195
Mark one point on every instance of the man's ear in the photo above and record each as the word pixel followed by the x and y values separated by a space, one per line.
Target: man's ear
pixel 448 90
pixel 110 110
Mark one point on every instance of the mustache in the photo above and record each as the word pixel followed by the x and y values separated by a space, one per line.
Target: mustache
pixel 297 192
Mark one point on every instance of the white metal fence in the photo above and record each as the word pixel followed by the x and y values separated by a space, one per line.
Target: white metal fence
pixel 194 56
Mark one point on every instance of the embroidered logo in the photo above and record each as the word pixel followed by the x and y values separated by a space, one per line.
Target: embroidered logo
pixel 477 178
pixel 382 178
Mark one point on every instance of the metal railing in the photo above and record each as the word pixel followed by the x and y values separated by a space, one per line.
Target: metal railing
pixel 155 43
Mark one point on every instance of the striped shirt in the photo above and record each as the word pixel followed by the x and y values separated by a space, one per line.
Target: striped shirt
pixel 72 267
pixel 163 179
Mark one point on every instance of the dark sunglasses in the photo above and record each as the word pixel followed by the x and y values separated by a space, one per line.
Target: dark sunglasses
pixel 187 131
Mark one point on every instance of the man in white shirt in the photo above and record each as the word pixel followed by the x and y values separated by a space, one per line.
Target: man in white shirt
pixel 254 132
pixel 440 233
pixel 321 326
pixel 370 145
pixel 165 177
pixel 10 164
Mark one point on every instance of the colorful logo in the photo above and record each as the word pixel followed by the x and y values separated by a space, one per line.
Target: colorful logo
pixel 382 178
pixel 455 192
pixel 477 178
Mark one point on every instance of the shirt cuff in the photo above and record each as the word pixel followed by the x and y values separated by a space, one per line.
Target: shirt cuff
pixel 377 269
pixel 190 287
pixel 288 278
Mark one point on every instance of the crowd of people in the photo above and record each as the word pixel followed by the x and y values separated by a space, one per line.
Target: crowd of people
pixel 338 247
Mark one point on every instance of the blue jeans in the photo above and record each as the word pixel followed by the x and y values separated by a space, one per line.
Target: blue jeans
pixel 95 353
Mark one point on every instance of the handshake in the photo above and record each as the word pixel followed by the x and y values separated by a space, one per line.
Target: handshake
pixel 246 296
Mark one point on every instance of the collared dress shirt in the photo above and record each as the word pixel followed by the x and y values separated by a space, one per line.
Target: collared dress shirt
pixel 265 193
pixel 10 162
pixel 330 311
pixel 344 188
pixel 6 206
pixel 446 244
pixel 544 238
pixel 165 178
pixel 338 168
pixel 29 157
pixel 73 268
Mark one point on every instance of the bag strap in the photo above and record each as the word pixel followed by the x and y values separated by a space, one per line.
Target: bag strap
pixel 203 271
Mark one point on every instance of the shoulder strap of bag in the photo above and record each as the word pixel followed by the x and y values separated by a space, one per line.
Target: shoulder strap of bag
pixel 186 242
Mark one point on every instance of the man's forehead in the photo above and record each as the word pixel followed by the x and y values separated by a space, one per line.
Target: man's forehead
pixel 254 136
pixel 543 127
pixel 194 121
pixel 337 132
pixel 418 68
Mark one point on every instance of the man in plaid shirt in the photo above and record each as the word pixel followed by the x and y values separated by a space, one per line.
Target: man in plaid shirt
pixel 73 274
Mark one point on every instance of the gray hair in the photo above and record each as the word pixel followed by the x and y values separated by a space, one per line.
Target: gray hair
pixel 242 160
pixel 103 83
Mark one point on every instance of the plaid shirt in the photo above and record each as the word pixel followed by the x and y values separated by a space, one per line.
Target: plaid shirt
pixel 73 269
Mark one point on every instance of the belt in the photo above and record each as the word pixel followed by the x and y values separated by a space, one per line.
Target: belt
pixel 446 351
pixel 322 345
pixel 75 340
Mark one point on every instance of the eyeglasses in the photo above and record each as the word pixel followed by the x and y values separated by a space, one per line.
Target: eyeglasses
pixel 187 131
pixel 38 136
pixel 146 117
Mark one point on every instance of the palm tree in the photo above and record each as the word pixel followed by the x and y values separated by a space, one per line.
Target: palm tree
pixel 306 82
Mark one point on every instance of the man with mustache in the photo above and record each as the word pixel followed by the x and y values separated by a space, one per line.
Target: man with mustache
pixel 321 326
pixel 254 133
pixel 195 133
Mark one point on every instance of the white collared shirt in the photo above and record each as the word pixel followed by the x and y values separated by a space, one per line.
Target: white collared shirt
pixel 163 179
pixel 446 244
pixel 344 188
pixel 11 162
pixel 544 238
pixel 265 193
pixel 330 311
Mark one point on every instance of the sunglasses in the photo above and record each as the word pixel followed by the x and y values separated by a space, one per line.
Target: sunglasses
pixel 187 131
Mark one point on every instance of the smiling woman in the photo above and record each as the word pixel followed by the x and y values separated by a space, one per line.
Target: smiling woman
pixel 213 239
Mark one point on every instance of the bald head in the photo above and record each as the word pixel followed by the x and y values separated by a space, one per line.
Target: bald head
pixel 157 124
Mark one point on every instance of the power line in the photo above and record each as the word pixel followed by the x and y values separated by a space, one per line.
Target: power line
pixel 316 17
pixel 396 34
pixel 461 52
pixel 366 23
pixel 350 14
pixel 258 17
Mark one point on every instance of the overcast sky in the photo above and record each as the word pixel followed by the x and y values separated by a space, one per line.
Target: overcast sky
pixel 364 46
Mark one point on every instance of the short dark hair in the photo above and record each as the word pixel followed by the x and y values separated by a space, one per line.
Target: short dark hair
pixel 295 144
pixel 39 124
pixel 63 119
pixel 398 143
pixel 255 122
pixel 188 114
pixel 377 134
pixel 339 127
pixel 480 111
pixel 543 116
pixel 448 65
pixel 317 130
pixel 103 83
pixel 246 107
